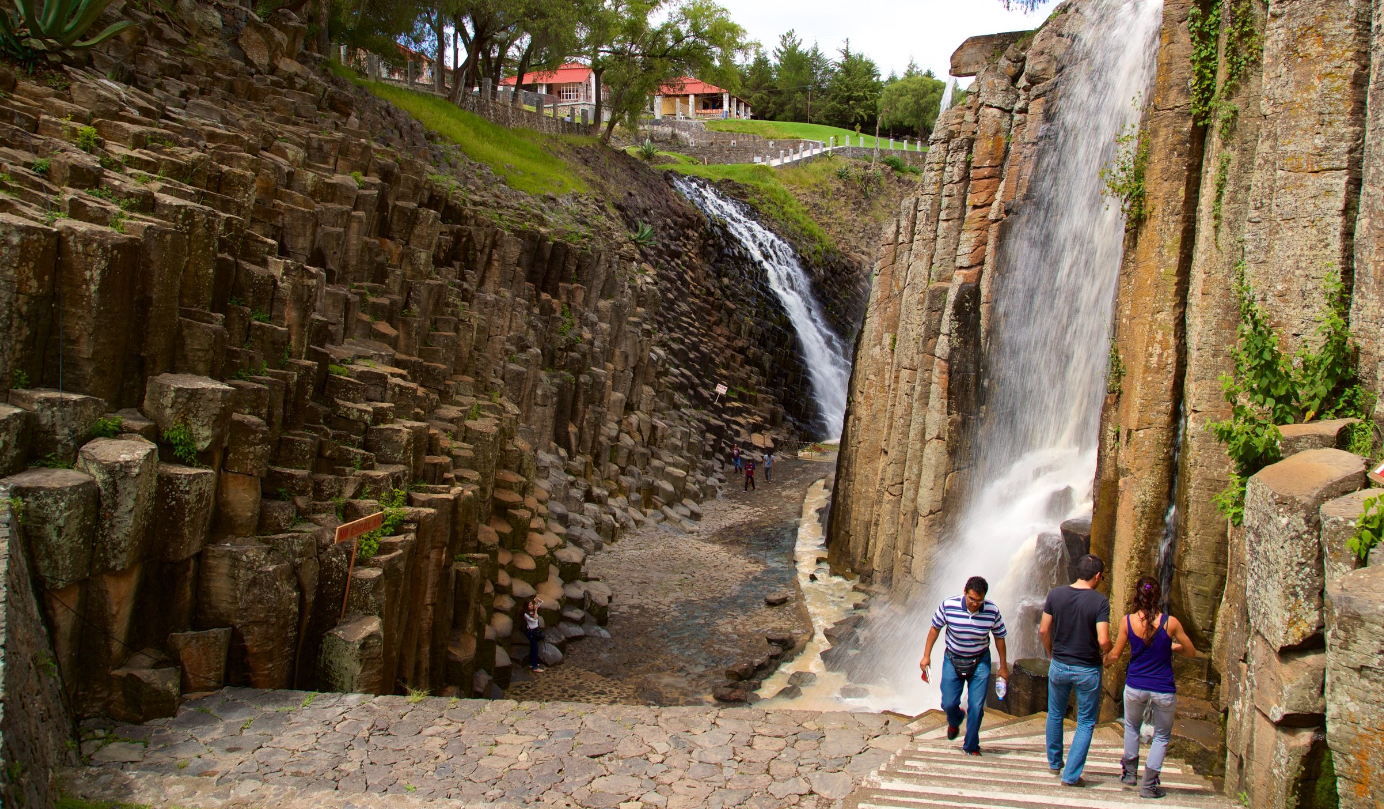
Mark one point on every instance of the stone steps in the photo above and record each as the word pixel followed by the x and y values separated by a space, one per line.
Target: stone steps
pixel 1012 772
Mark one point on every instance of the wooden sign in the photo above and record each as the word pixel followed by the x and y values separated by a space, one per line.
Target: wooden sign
pixel 350 532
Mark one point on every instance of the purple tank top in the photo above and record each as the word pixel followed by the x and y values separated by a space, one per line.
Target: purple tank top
pixel 1151 663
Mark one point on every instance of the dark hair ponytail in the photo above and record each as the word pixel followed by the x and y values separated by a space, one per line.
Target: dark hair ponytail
pixel 1147 601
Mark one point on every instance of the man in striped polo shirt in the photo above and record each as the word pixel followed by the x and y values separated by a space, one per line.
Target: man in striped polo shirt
pixel 970 620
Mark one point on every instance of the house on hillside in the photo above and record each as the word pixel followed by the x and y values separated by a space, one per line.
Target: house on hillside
pixel 694 99
pixel 573 84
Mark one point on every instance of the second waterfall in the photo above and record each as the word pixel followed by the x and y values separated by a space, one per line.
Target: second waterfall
pixel 826 357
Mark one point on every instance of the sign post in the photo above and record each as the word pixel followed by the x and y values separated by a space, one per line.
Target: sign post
pixel 350 532
pixel 720 391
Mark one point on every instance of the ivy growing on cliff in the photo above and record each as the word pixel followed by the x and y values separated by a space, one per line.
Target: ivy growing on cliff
pixel 1268 388
pixel 1123 178
pixel 1204 24
pixel 1243 47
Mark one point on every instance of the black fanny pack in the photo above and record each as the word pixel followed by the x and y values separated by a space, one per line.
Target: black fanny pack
pixel 965 665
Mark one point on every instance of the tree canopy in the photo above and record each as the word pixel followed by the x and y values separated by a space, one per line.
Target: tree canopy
pixel 911 102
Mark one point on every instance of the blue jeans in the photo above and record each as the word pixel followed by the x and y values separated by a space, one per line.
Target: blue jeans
pixel 1062 678
pixel 976 686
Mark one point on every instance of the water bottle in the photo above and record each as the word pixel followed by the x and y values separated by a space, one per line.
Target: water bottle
pixel 1001 687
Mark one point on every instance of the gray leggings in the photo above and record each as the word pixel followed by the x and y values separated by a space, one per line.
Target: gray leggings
pixel 1163 706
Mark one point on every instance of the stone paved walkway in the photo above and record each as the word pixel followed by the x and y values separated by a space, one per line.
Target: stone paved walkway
pixel 294 750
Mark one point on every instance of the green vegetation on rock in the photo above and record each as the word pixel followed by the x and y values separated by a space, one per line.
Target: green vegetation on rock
pixel 1268 389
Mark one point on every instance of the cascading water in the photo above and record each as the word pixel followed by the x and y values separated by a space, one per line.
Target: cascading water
pixel 826 357
pixel 1054 290
pixel 1166 562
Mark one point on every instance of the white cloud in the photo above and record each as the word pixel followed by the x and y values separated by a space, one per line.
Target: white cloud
pixel 888 31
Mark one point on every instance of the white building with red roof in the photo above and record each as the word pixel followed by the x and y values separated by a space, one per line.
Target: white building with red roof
pixel 692 98
pixel 572 84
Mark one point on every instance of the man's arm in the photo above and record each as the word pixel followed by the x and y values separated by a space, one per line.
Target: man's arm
pixel 1004 658
pixel 1120 640
pixel 923 664
pixel 1045 632
pixel 1103 636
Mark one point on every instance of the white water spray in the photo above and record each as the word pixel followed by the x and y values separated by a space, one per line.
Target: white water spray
pixel 1054 290
pixel 825 355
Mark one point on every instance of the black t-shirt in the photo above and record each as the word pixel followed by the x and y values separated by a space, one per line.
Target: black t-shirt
pixel 1075 614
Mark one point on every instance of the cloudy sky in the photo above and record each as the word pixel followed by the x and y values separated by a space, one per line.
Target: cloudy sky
pixel 889 31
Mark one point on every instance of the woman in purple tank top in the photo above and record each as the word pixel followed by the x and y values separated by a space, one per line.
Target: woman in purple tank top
pixel 1152 637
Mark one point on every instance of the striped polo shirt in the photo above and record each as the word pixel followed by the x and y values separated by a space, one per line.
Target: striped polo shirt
pixel 968 634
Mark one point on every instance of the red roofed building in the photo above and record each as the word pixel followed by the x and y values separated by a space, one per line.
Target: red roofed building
pixel 573 83
pixel 693 98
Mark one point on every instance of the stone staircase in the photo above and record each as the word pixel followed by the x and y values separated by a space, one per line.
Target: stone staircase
pixel 1013 773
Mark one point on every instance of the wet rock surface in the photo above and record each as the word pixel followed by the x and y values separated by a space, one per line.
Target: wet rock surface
pixel 689 607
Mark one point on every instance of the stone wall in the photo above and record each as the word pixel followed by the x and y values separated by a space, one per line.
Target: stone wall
pixel 37 734
pixel 1299 513
pixel 904 461
pixel 260 303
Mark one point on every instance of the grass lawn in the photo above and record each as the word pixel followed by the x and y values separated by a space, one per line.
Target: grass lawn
pixel 783 130
pixel 527 160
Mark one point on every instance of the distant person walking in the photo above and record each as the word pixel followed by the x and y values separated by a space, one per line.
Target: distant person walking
pixel 1153 636
pixel 735 459
pixel 970 619
pixel 749 474
pixel 1076 633
pixel 768 467
pixel 533 628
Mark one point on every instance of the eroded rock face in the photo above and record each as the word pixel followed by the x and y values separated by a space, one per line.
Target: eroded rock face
pixel 903 467
pixel 1283 545
pixel 1354 647
pixel 59 522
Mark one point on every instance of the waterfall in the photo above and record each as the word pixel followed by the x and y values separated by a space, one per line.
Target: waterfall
pixel 825 355
pixel 1166 562
pixel 1046 358
pixel 947 96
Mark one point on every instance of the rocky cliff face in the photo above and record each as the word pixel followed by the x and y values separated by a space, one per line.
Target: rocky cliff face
pixel 914 390
pixel 243 302
pixel 1260 127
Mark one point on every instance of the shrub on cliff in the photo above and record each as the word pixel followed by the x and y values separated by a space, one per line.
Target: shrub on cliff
pixel 1268 389
pixel 55 32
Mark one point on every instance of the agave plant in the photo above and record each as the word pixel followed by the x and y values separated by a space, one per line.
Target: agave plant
pixel 645 235
pixel 648 150
pixel 57 29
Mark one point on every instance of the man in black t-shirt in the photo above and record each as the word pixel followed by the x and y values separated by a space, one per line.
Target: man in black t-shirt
pixel 1076 633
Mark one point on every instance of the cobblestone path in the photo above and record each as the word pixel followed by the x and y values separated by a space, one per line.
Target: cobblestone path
pixel 293 750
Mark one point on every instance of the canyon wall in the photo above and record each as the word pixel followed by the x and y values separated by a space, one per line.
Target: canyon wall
pixel 1260 137
pixel 905 459
pixel 243 302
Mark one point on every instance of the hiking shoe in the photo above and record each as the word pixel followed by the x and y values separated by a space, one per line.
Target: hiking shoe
pixel 1129 771
pixel 972 752
pixel 538 669
pixel 1150 787
pixel 1080 782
